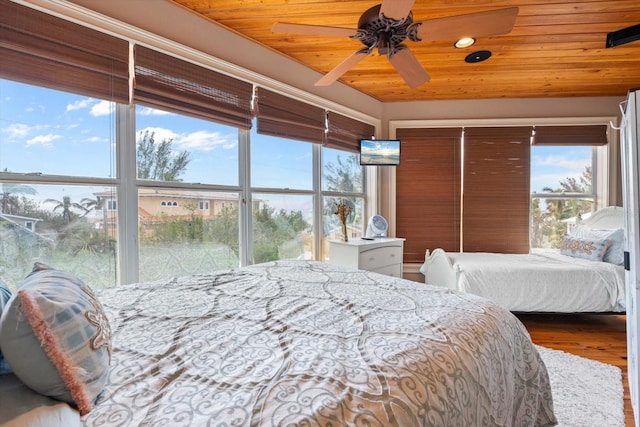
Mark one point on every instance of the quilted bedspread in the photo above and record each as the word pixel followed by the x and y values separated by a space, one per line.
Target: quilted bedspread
pixel 310 344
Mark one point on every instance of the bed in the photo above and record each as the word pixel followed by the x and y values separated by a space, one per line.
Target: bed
pixel 569 280
pixel 312 344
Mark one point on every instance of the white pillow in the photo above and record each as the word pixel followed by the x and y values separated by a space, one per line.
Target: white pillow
pixel 614 253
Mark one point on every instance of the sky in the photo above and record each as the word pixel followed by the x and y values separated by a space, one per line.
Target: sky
pixel 47 131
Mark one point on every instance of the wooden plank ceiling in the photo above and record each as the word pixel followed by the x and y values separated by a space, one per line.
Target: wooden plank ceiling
pixel 556 48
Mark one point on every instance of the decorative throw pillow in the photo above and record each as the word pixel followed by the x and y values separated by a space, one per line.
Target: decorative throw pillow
pixel 57 338
pixel 615 252
pixel 5 295
pixel 593 250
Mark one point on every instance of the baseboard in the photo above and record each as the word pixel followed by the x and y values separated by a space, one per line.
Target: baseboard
pixel 411 271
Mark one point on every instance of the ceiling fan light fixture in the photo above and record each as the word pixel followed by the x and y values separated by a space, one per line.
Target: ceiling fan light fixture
pixel 464 42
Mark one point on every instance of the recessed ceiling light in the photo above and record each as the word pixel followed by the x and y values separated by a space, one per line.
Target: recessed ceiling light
pixel 478 56
pixel 464 42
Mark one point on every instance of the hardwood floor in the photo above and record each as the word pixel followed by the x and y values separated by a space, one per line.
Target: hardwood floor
pixel 599 337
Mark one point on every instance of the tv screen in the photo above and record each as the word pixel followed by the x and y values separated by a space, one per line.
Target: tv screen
pixel 382 152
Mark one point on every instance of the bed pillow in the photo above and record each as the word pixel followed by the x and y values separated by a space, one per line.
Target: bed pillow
pixel 614 253
pixel 5 295
pixel 56 337
pixel 592 250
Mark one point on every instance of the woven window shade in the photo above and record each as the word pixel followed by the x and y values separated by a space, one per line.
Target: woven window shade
pixel 43 50
pixel 172 84
pixel 345 133
pixel 569 135
pixel 279 115
pixel 496 190
pixel 428 191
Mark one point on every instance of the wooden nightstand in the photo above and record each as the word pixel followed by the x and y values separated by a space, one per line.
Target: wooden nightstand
pixel 380 255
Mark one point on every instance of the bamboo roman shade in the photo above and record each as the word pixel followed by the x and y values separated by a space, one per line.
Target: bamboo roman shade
pixel 345 133
pixel 279 115
pixel 172 84
pixel 428 195
pixel 43 50
pixel 496 187
pixel 569 135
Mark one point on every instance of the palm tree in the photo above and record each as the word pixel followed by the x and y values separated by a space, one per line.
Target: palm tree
pixel 9 200
pixel 92 204
pixel 66 205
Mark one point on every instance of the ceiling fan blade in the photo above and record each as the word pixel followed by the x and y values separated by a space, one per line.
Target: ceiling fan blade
pixel 396 9
pixel 342 68
pixel 407 65
pixel 313 30
pixel 481 24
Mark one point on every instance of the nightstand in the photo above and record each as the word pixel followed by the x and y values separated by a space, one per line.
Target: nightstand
pixel 380 255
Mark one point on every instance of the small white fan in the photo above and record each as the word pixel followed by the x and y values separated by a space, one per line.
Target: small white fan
pixel 377 227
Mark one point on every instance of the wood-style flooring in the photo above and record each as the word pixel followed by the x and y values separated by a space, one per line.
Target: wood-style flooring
pixel 599 337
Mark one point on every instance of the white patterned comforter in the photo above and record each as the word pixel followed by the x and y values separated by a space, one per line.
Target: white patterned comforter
pixel 310 344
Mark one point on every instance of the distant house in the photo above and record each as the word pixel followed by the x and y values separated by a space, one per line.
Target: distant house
pixel 23 221
pixel 155 205
pixel 18 238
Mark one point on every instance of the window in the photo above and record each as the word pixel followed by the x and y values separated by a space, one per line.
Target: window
pixel 342 181
pixel 178 233
pixel 29 134
pixel 282 226
pixel 181 239
pixel 283 210
pixel 281 163
pixel 282 198
pixel 562 191
pixel 167 183
pixel 56 172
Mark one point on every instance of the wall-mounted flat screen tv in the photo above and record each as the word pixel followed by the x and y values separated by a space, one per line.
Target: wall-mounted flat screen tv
pixel 381 152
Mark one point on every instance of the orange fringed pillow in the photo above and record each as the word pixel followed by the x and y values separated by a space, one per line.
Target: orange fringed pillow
pixel 56 337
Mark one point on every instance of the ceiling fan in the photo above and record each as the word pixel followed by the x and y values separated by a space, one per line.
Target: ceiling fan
pixel 387 25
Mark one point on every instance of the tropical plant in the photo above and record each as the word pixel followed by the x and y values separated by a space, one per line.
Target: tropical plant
pixel 10 202
pixel 344 176
pixel 66 206
pixel 550 225
pixel 157 160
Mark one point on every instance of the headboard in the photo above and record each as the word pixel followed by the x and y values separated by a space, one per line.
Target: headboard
pixel 608 218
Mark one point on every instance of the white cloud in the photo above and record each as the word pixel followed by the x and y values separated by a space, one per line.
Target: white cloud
pixel 17 130
pixel 550 170
pixel 79 105
pixel 44 140
pixel 95 139
pixel 102 108
pixel 160 134
pixel 145 111
pixel 572 164
pixel 205 141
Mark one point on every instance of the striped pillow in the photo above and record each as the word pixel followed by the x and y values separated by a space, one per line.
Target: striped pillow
pixel 57 338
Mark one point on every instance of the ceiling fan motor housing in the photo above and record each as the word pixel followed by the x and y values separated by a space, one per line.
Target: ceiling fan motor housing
pixel 376 30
